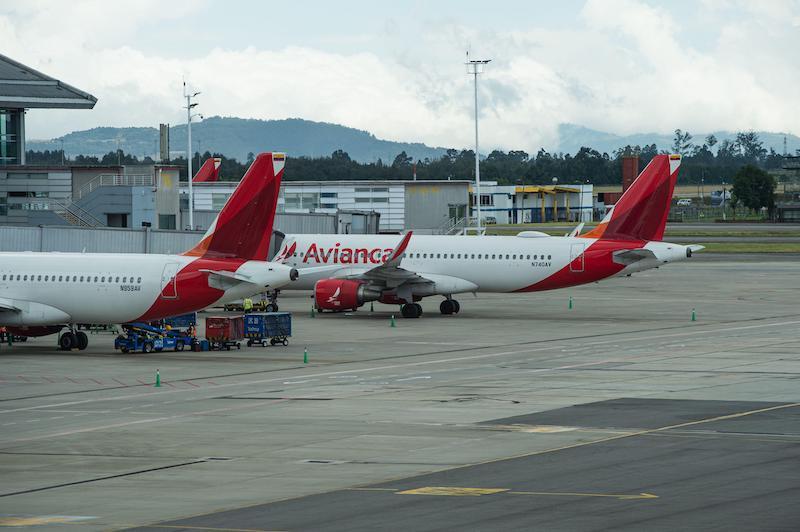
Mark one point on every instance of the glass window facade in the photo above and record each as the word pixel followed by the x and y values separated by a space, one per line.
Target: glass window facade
pixel 9 136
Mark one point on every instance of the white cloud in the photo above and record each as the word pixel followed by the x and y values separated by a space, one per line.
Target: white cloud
pixel 622 66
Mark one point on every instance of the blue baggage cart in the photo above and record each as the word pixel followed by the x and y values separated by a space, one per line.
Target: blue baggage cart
pixel 184 321
pixel 272 327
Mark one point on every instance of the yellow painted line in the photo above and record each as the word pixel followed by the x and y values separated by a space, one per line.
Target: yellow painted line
pixel 210 528
pixel 452 491
pixel 34 520
pixel 620 496
pixel 370 489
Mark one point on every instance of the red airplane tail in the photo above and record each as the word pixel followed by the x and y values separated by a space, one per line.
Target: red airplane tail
pixel 641 212
pixel 243 227
pixel 209 172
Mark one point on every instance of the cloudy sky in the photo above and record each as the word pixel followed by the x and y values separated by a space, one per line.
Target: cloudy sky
pixel 623 66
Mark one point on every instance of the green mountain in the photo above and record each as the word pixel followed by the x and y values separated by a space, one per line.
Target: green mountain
pixel 236 137
pixel 573 137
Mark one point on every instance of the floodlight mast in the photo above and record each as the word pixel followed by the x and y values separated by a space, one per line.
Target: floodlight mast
pixel 189 116
pixel 475 67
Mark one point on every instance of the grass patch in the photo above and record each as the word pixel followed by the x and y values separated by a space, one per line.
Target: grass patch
pixel 752 247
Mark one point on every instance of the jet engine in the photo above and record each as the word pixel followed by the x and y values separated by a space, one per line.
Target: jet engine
pixel 342 294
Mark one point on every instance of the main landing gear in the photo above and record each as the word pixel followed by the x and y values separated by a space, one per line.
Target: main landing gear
pixel 73 339
pixel 449 306
pixel 272 297
pixel 411 310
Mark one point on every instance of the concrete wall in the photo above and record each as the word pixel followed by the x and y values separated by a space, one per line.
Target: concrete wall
pixel 166 196
pixel 427 205
pixel 108 200
pixel 143 207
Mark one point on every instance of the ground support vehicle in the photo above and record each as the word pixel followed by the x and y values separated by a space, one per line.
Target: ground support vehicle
pixel 272 327
pixel 147 338
pixel 224 332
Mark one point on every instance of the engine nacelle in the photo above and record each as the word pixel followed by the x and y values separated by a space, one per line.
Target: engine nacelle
pixel 342 294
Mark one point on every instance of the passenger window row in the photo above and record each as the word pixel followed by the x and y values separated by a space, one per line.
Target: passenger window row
pixel 73 278
pixel 483 256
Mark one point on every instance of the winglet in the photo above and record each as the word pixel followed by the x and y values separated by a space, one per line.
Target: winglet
pixel 397 254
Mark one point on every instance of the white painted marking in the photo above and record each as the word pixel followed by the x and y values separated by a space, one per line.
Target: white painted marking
pixel 413 378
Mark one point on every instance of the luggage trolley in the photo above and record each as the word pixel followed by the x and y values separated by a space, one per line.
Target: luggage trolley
pixel 224 332
pixel 261 327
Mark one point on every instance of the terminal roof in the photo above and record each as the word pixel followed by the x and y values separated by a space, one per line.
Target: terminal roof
pixel 22 87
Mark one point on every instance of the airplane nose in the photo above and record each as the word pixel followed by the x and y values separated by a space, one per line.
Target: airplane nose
pixel 294 274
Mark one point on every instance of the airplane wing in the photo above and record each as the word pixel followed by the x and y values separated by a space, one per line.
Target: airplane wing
pixel 8 305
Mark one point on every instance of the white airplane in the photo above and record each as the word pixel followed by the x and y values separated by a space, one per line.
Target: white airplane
pixel 42 293
pixel 346 271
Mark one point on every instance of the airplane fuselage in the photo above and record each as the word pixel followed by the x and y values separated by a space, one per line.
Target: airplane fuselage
pixel 485 264
pixel 59 288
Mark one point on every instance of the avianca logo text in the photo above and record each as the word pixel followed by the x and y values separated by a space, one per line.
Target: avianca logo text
pixel 340 255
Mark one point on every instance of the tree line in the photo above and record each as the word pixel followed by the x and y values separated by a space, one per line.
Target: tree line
pixel 709 161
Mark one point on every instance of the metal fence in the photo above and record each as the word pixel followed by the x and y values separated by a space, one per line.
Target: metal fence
pixel 714 214
pixel 95 239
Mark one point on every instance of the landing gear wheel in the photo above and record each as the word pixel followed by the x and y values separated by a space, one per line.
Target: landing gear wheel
pixel 67 341
pixel 411 310
pixel 447 307
pixel 82 341
pixel 456 306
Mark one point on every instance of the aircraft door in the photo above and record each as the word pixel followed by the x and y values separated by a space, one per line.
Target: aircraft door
pixel 169 285
pixel 576 260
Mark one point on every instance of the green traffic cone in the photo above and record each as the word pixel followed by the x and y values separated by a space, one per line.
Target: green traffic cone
pixel 570 302
pixel 158 379
pixel 391 323
pixel 313 314
pixel 694 315
pixel 372 307
pixel 305 356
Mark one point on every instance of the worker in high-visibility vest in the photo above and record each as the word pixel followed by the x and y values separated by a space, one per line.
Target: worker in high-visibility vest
pixel 248 305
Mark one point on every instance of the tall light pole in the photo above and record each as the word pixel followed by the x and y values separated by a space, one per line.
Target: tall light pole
pixel 189 116
pixel 475 67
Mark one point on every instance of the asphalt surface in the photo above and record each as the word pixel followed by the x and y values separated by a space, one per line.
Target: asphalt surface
pixel 560 418
pixel 700 475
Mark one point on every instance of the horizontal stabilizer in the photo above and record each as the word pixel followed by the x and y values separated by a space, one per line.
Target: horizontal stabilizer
pixel 631 256
pixel 228 276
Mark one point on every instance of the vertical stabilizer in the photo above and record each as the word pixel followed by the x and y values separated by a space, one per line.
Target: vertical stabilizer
pixel 243 227
pixel 641 213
